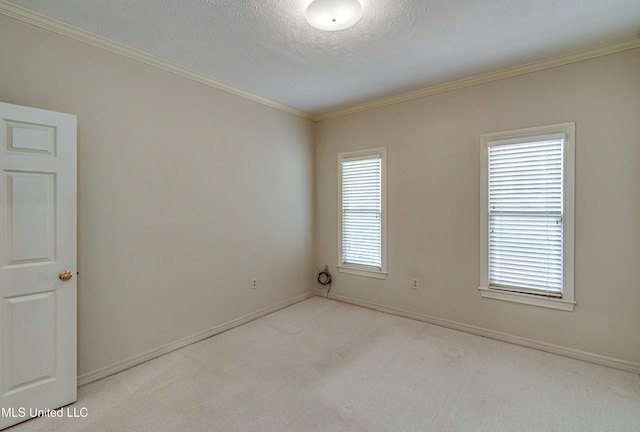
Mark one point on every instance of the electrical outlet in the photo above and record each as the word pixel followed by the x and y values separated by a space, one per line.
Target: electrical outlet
pixel 254 283
pixel 414 284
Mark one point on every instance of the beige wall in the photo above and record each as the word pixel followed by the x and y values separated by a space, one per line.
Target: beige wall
pixel 185 193
pixel 433 201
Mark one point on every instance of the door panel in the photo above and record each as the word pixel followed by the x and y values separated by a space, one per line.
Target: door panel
pixel 30 138
pixel 38 208
pixel 30 226
pixel 30 344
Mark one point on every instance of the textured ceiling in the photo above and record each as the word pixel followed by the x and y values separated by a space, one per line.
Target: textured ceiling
pixel 266 47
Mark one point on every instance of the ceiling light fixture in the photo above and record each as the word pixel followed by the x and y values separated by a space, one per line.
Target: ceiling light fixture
pixel 333 15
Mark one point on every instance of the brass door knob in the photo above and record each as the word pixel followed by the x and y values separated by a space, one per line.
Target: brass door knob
pixel 65 275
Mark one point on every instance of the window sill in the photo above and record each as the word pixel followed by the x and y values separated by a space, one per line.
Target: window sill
pixel 530 299
pixel 376 274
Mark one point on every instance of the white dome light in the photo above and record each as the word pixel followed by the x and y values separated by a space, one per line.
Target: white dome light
pixel 333 15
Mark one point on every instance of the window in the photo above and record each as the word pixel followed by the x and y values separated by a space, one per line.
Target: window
pixel 362 213
pixel 527 188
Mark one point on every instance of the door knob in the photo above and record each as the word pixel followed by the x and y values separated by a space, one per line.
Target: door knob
pixel 65 275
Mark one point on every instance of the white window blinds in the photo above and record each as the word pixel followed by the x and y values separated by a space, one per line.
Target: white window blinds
pixel 361 179
pixel 525 193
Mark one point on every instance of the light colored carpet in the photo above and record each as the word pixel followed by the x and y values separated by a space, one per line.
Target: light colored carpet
pixel 321 365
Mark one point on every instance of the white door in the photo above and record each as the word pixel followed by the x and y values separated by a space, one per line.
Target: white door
pixel 37 245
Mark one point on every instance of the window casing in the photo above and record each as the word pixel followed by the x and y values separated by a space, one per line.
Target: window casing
pixel 362 207
pixel 527 216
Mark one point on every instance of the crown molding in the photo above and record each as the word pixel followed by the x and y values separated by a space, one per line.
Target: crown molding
pixel 39 20
pixel 599 51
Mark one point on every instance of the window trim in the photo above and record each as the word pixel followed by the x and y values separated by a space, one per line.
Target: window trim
pixel 567 301
pixel 354 269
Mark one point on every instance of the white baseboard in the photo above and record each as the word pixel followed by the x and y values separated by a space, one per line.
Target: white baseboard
pixel 320 292
pixel 165 349
pixel 504 337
